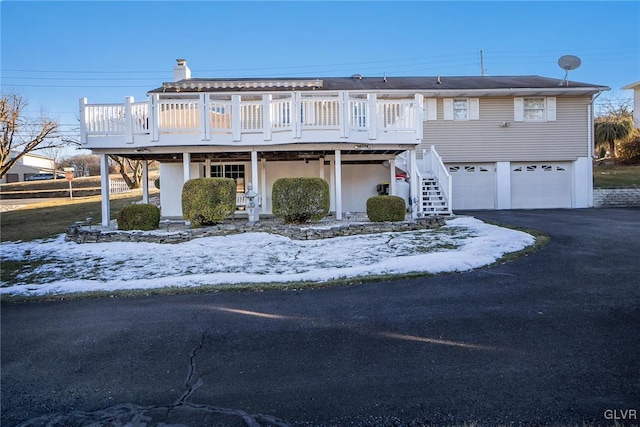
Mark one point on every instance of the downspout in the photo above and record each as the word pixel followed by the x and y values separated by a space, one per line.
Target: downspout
pixel 591 124
pixel 591 144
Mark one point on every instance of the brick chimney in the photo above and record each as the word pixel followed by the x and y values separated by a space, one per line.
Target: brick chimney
pixel 181 71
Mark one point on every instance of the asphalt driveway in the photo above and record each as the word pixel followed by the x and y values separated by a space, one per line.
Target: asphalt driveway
pixel 552 338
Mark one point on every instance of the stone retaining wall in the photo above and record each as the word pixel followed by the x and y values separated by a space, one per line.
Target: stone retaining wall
pixel 609 197
pixel 81 233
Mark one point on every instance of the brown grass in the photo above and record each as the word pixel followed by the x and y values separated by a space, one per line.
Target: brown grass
pixel 616 176
pixel 52 217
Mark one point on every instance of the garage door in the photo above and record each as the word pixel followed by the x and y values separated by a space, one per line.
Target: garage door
pixel 474 185
pixel 540 185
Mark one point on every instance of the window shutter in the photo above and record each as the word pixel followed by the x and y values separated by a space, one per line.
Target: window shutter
pixel 518 109
pixel 474 109
pixel 432 109
pixel 448 108
pixel 551 109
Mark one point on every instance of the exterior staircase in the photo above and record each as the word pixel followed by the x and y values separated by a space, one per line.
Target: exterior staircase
pixel 433 200
pixel 433 197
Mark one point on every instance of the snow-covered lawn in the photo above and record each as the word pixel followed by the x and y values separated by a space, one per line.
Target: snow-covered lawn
pixel 58 267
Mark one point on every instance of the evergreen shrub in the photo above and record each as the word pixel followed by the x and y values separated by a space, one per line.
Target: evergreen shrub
pixel 138 217
pixel 386 208
pixel 300 200
pixel 208 201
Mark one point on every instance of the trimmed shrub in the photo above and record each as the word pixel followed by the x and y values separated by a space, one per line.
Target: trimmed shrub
pixel 156 183
pixel 300 200
pixel 139 217
pixel 386 208
pixel 208 201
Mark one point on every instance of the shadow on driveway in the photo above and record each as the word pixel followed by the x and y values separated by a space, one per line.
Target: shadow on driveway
pixel 551 338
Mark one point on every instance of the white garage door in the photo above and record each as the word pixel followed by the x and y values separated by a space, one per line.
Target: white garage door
pixel 540 185
pixel 474 185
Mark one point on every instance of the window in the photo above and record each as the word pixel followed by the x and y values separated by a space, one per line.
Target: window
pixel 460 109
pixel 534 109
pixel 235 172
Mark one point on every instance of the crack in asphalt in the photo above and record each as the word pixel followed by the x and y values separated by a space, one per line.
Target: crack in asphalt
pixel 130 415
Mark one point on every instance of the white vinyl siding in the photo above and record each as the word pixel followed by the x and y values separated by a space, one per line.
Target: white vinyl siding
pixel 534 109
pixel 461 109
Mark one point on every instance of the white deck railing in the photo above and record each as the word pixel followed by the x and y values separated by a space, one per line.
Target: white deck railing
pixel 216 114
pixel 105 119
pixel 432 163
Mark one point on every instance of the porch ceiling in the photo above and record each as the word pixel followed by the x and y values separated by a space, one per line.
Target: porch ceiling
pixel 244 156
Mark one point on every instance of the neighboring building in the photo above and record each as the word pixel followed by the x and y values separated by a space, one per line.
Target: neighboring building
pixel 635 87
pixel 28 165
pixel 463 142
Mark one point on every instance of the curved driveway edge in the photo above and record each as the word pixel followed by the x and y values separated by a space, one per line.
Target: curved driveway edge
pixel 551 338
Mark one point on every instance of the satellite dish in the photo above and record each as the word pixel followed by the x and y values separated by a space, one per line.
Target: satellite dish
pixel 568 63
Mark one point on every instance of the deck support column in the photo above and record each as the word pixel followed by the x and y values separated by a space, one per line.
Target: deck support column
pixel 338 179
pixel 413 189
pixel 392 182
pixel 186 167
pixel 145 181
pixel 254 183
pixel 104 189
pixel 263 185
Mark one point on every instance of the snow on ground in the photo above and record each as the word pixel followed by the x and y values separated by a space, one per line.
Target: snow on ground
pixel 58 267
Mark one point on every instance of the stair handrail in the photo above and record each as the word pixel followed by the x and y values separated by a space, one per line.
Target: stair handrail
pixel 433 162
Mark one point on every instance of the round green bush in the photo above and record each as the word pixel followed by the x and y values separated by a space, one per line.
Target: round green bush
pixel 300 200
pixel 386 208
pixel 156 183
pixel 208 201
pixel 138 217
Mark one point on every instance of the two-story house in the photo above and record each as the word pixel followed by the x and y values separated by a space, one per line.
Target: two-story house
pixel 442 143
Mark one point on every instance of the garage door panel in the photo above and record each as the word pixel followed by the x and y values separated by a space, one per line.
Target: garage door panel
pixel 473 185
pixel 540 185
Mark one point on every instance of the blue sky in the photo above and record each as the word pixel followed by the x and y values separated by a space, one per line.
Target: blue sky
pixel 55 52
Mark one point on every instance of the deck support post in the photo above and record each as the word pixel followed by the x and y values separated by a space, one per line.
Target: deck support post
pixel 254 183
pixel 186 167
pixel 145 181
pixel 263 185
pixel 338 179
pixel 392 182
pixel 413 192
pixel 104 189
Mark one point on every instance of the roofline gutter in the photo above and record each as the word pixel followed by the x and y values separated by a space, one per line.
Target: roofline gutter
pixel 591 90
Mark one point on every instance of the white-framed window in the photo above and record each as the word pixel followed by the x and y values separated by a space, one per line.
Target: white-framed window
pixel 534 109
pixel 461 109
pixel 233 171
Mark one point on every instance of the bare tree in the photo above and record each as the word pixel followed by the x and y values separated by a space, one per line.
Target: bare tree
pixel 131 170
pixel 55 153
pixel 613 124
pixel 84 164
pixel 21 136
pixel 612 107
